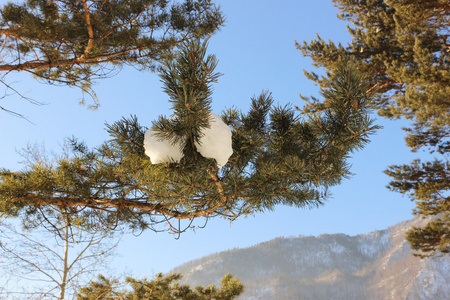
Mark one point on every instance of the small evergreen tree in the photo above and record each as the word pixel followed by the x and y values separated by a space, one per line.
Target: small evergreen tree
pixel 403 48
pixel 160 288
pixel 76 42
pixel 279 157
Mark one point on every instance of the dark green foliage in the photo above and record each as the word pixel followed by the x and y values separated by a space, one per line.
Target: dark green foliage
pixel 189 90
pixel 428 184
pixel 76 42
pixel 104 288
pixel 160 288
pixel 279 156
pixel 432 237
pixel 403 48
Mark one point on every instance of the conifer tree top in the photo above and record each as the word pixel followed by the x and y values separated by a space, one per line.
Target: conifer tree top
pixel 403 48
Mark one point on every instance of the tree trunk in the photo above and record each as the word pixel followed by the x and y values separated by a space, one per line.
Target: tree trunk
pixel 66 257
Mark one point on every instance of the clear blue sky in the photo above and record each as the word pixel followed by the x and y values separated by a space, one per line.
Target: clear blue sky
pixel 256 52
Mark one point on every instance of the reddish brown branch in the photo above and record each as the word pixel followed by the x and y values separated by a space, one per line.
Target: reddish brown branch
pixel 90 43
pixel 102 204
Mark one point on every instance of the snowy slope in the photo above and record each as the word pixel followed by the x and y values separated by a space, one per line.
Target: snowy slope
pixel 377 265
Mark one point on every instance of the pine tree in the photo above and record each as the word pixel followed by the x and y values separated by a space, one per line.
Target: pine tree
pixel 279 156
pixel 161 287
pixel 403 48
pixel 76 42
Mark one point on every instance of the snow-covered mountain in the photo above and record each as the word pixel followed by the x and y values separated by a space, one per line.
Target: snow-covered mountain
pixel 377 265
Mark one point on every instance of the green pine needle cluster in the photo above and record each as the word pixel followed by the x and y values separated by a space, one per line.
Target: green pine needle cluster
pixel 189 90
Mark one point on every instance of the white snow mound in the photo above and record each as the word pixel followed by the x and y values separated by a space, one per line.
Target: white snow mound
pixel 215 143
pixel 160 151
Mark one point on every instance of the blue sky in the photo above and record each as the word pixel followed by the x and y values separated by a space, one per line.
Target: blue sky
pixel 256 52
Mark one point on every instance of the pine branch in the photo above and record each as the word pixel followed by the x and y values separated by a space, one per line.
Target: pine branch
pixel 279 157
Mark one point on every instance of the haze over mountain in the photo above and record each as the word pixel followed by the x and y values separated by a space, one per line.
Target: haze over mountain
pixel 376 265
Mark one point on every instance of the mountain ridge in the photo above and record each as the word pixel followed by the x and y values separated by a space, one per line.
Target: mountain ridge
pixel 375 265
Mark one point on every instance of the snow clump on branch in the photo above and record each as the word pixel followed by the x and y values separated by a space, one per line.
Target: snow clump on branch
pixel 215 143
